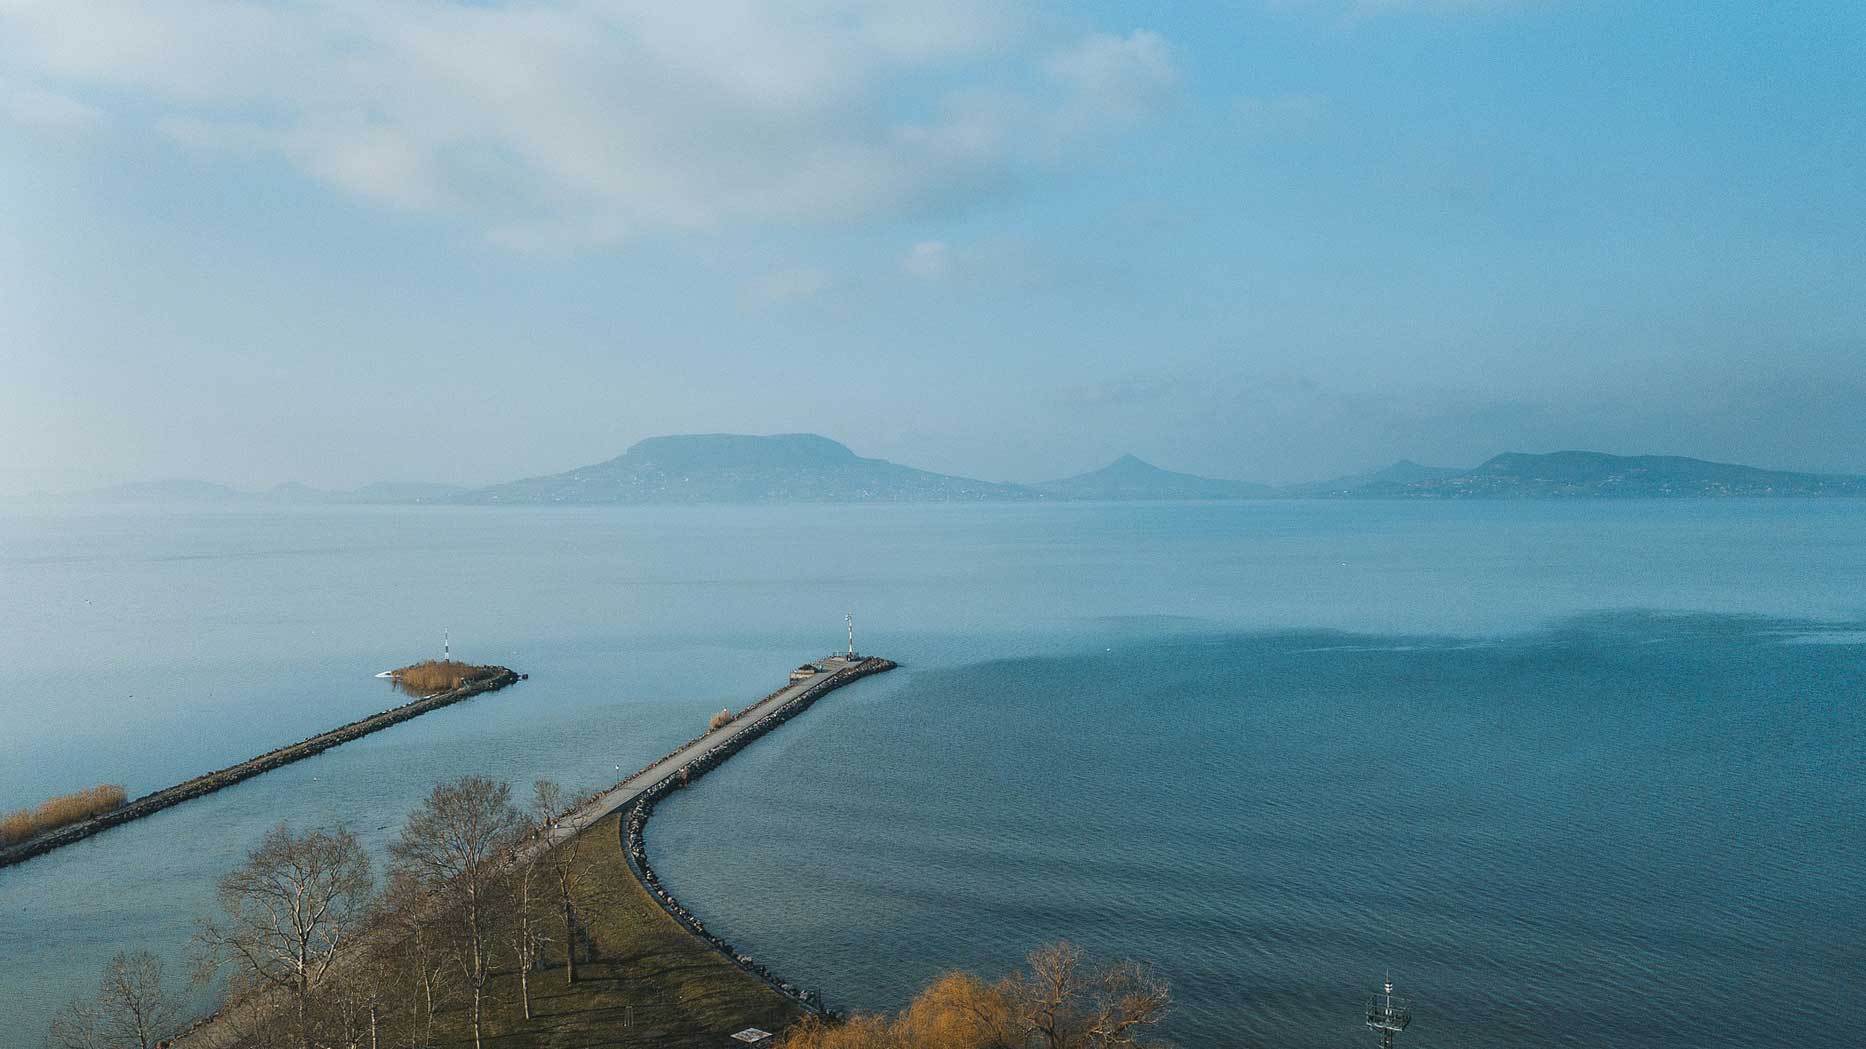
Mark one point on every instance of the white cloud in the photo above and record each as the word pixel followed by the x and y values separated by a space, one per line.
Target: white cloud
pixel 1115 77
pixel 928 260
pixel 781 286
pixel 559 124
pixel 43 110
pixel 993 264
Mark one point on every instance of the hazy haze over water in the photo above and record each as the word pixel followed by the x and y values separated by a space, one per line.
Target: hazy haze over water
pixel 1420 735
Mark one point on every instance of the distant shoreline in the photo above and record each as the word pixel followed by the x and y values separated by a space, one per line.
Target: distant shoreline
pixel 782 469
pixel 168 797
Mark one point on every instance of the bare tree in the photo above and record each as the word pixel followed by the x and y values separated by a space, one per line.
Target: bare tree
pixel 570 881
pixel 129 1012
pixel 360 1003
pixel 1126 999
pixel 1046 995
pixel 527 934
pixel 547 804
pixel 420 959
pixel 1062 1005
pixel 457 842
pixel 291 912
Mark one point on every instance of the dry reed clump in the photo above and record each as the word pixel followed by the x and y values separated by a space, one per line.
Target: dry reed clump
pixel 61 811
pixel 436 675
pixel 719 721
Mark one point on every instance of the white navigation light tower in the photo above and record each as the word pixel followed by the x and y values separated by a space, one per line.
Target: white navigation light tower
pixel 1387 1014
pixel 851 619
pixel 447 647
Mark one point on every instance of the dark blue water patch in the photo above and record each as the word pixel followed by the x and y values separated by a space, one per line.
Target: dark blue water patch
pixel 1585 835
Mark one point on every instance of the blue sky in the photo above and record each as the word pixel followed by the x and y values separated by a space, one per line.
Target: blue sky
pixel 336 242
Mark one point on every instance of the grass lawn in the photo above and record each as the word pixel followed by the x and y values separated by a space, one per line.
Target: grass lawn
pixel 680 992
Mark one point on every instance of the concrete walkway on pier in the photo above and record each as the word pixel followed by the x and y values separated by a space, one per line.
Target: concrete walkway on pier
pixel 624 793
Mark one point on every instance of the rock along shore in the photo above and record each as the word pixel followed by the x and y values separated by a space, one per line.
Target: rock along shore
pixel 272 759
pixel 634 846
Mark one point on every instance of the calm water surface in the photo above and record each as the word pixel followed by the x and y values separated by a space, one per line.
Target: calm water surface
pixel 1596 762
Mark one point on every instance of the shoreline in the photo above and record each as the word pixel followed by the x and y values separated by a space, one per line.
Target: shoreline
pixel 630 802
pixel 634 842
pixel 208 783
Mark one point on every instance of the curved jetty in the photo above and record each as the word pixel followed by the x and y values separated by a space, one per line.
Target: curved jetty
pixel 693 760
pixel 227 777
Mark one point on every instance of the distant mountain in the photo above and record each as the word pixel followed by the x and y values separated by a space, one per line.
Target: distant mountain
pixel 1516 475
pixel 289 493
pixel 796 468
pixel 733 468
pixel 1403 472
pixel 379 492
pixel 405 492
pixel 295 493
pixel 140 492
pixel 1129 478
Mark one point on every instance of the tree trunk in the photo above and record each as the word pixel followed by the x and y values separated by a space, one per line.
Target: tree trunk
pixel 304 1003
pixel 477 989
pixel 570 945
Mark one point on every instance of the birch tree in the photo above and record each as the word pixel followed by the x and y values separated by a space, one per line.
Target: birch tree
pixel 130 1010
pixel 420 957
pixel 572 887
pixel 290 914
pixel 458 842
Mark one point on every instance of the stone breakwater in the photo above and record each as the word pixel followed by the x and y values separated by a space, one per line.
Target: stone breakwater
pixel 272 759
pixel 634 845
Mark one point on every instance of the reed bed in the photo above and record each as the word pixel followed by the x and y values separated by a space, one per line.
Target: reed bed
pixel 719 721
pixel 61 811
pixel 437 675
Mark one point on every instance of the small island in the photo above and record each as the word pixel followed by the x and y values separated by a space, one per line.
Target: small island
pixel 432 676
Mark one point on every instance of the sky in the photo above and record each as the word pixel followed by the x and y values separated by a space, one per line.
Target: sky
pixel 341 241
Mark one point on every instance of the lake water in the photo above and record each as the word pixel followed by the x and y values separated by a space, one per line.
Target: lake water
pixel 1577 773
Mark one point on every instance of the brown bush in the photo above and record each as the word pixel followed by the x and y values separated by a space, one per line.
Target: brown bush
pixel 61 811
pixel 436 675
pixel 1058 1003
pixel 719 721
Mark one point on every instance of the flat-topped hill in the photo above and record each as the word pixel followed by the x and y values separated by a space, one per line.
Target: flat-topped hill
pixel 737 468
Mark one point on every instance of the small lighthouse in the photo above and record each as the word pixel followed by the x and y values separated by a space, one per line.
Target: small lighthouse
pixel 850 617
pixel 447 647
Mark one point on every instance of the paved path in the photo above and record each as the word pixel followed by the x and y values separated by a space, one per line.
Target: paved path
pixel 624 793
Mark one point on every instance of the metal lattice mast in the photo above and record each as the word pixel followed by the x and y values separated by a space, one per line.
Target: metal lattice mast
pixel 1387 1014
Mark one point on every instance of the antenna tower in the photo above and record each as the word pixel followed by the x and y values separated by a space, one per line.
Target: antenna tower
pixel 1387 1014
